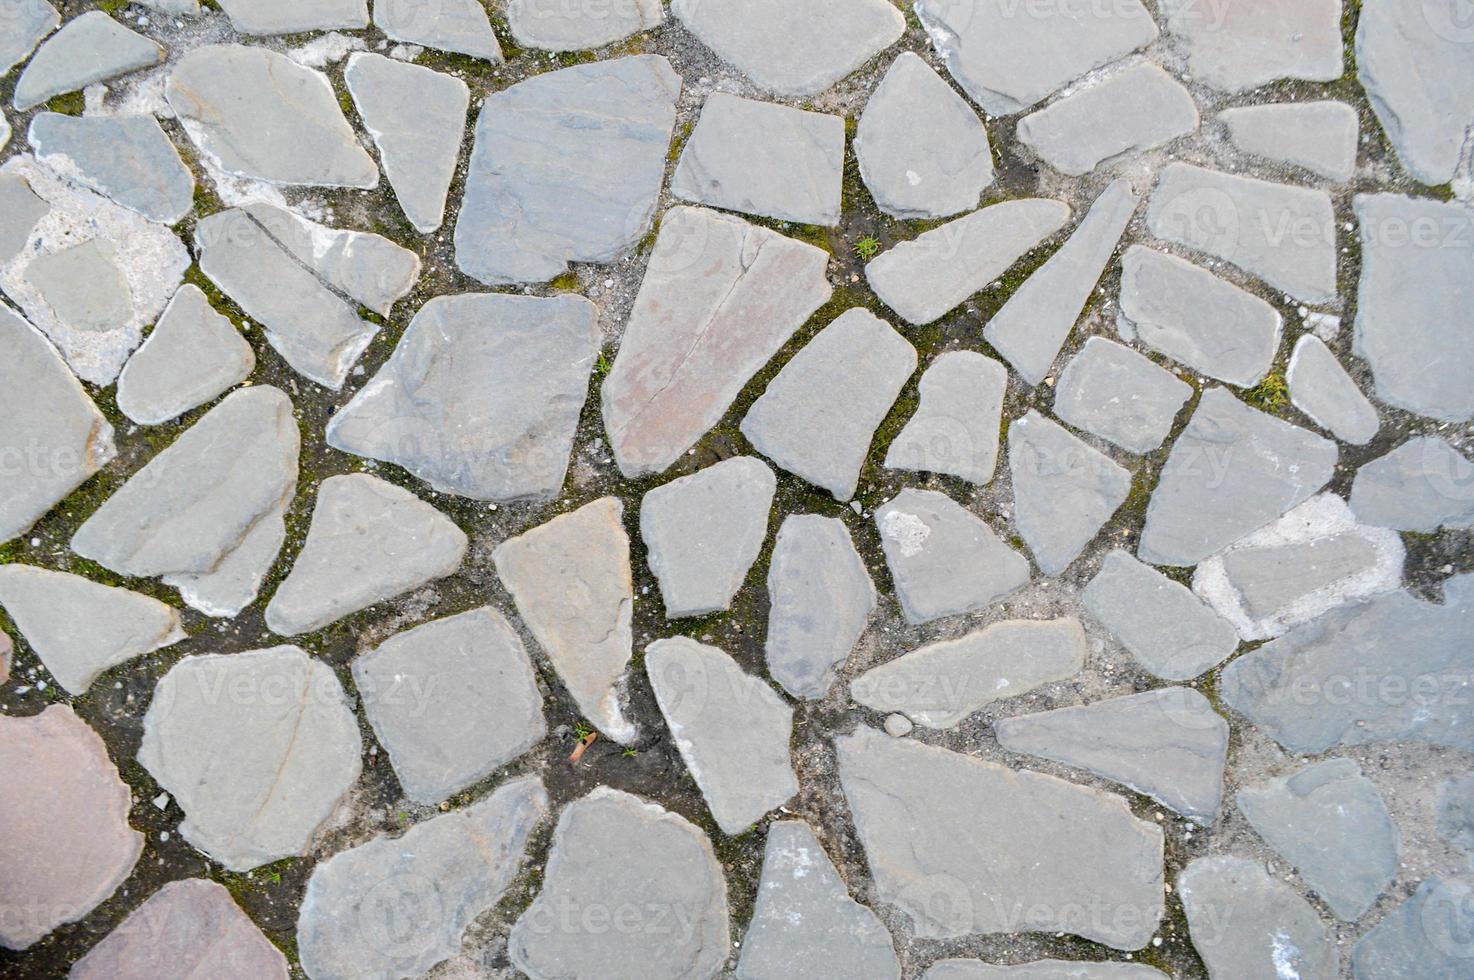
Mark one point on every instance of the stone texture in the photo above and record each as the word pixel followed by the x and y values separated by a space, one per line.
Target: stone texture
pixel 481 396
pixel 1244 45
pixel 1039 970
pixel 955 428
pixel 1032 326
pixel 1422 485
pixel 193 355
pixel 1321 388
pixel 571 581
pixel 1456 811
pixel 922 151
pixel 65 843
pixel 943 559
pixel 719 298
pixel 29 21
pixel 295 16
pixel 556 26
pixel 928 276
pixel 79 628
pixel 460 26
pixel 1426 936
pixel 369 541
pixel 1232 471
pixel 732 730
pixel 941 684
pixel 664 870
pixel 83 285
pixel 7 651
pixel 820 597
pixel 126 158
pixel 817 417
pixel 1113 392
pixel 958 845
pixel 397 906
pixel 18 218
pixel 1318 136
pixel 704 531
pixel 257 748
pixel 805 925
pixel 90 48
pixel 1247 924
pixel 567 167
pixel 793 47
pixel 764 159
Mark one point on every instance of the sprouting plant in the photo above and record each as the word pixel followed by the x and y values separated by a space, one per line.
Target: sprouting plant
pixel 602 365
pixel 1270 395
pixel 582 730
pixel 630 753
pixel 867 247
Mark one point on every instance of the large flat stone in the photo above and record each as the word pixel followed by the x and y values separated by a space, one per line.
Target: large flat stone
pixel 83 285
pixel 1239 46
pixel 29 21
pixel 126 158
pixel 193 355
pixel 1422 485
pixel 1319 136
pixel 1039 970
pixel 1321 388
pixel 461 26
pixel 295 16
pixel 1244 923
pixel 553 25
pixel 1425 936
pixel 1113 392
pixel 90 48
pixel 955 428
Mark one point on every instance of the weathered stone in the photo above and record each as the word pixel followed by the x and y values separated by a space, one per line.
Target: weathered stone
pixel 1113 392
pixel 1247 924
pixel 1039 970
pixel 396 906
pixel 1319 136
pixel 1160 622
pixel 1414 314
pixel 1422 485
pixel 461 26
pixel 193 355
pixel 369 541
pixel 1192 316
pixel 941 684
pixel 1321 388
pixel 793 47
pixel 481 396
pixel 924 278
pixel 90 48
pixel 1232 471
pixel 1329 821
pixel 943 559
pixel 556 26
pixel 20 210
pixel 1063 490
pixel 805 925
pixel 820 596
pixel 923 152
pixel 765 159
pixel 258 114
pixel 898 726
pixel 732 730
pixel 958 844
pixel 234 583
pixel 417 118
pixel 567 167
pixel 1456 811
pixel 80 628
pixel 126 158
pixel 27 23
pixel 1284 235
pixel 955 428
pixel 664 870
pixel 183 8
pixel 720 297
pixel 704 531
pixel 1032 326
pixel 83 286
pixel 1426 936
pixel 451 701
pixel 571 581
pixel 817 417
pixel 294 16
pixel 187 928
pixel 1244 45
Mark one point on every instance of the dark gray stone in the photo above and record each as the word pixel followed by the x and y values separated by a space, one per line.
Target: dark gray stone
pixel 1247 924
pixel 1422 485
pixel 1456 811
pixel 1113 392
pixel 1426 936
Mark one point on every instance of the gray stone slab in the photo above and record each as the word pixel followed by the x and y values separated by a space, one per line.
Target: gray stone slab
pixel 234 583
pixel 1456 811
pixel 1113 392
pixel 1032 326
pixel 397 906
pixel 21 210
pixel 928 276
pixel 958 844
pixel 1426 936
pixel 4 131
pixel 126 158
pixel 1247 924
pixel 567 167
pixel 955 428
pixel 1321 388
pixel 943 559
pixel 1039 970
pixel 29 21
pixel 257 748
pixel 1422 485
pixel 295 16
pixel 1319 136
pixel 663 872
pixel 193 355
pixel 182 8
pixel 460 26
pixel 84 286
pixel 1244 45
pixel 941 684
pixel 553 25
pixel 369 541
pixel 765 159
pixel 90 48
pixel 704 531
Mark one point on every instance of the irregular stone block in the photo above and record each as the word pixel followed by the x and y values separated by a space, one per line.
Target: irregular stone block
pixel 126 158
pixel 1456 811
pixel 83 286
pixel 90 48
pixel 1247 924
pixel 556 26
pixel 955 428
pixel 1319 136
pixel 1425 936
pixel 193 355
pixel 28 23
pixel 1113 392
pixel 294 16
pixel 1422 485
pixel 461 26
pixel 1321 388
pixel 1039 970
pixel 18 217
pixel 1244 45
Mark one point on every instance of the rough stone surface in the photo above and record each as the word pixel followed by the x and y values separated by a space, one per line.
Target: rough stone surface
pixel 1422 485
pixel 1456 811
pixel 818 415
pixel 460 26
pixel 1426 936
pixel 955 428
pixel 83 285
pixel 1321 388
pixel 28 22
pixel 1319 136
pixel 295 16
pixel 1039 970
pixel 556 26
pixel 126 158
pixel 898 726
pixel 90 48
pixel 193 355
pixel 1244 45
pixel 1113 392
pixel 1247 924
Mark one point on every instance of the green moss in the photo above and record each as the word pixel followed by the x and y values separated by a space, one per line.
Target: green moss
pixel 70 104
pixel 1270 395
pixel 678 141
pixel 566 283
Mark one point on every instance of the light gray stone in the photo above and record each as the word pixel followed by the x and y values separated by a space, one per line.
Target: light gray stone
pixel 820 597
pixel 925 278
pixel 898 726
pixel 1247 924
pixel 234 583
pixel 126 158
pixel 369 541
pixel 1039 970
pixel 704 531
pixel 764 158
pixel 1192 316
pixel 958 844
pixel 1426 936
pixel 943 559
pixel 955 428
pixel 451 701
pixel 941 684
pixel 183 8
pixel 295 16
pixel 1456 811
pixel 258 114
pixel 664 868
pixel 1160 622
pixel 922 151
pixel 4 134
pixel 1414 315
pixel 27 23
pixel 1064 490
pixel 567 167
pixel 20 210
pixel 417 118
pixel 397 906
pixel 1232 471
pixel 553 25
pixel 1032 326
pixel 460 26
pixel 1319 136
pixel 257 749
pixel 1329 821
pixel 805 925
pixel 1321 388
pixel 1113 392
pixel 90 48
pixel 720 297
pixel 817 417
pixel 193 355
pixel 1241 46
pixel 1422 485
pixel 7 651
pixel 793 47
pixel 731 728
pixel 83 286
pixel 571 581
